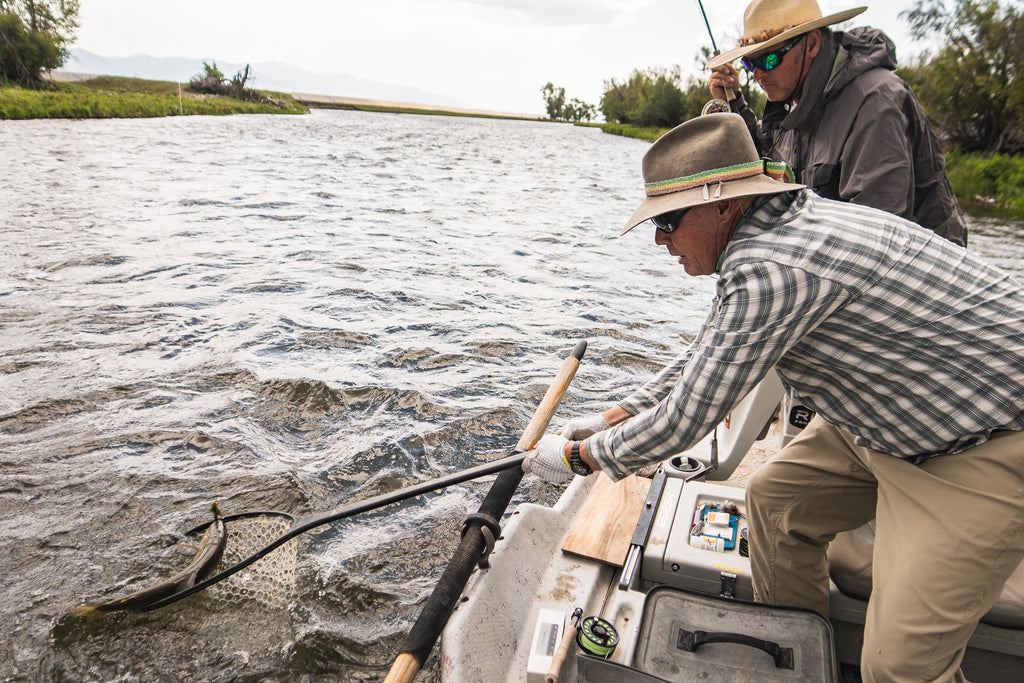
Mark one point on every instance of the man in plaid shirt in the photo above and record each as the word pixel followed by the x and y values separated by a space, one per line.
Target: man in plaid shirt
pixel 910 350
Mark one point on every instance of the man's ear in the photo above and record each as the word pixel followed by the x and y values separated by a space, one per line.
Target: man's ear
pixel 813 43
pixel 733 208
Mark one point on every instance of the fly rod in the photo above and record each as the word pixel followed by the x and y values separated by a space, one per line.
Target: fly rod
pixel 714 105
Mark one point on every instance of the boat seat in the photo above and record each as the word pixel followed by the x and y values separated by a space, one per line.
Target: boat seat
pixel 849 557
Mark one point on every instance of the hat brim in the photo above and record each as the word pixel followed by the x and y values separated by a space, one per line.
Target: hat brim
pixel 734 189
pixel 744 50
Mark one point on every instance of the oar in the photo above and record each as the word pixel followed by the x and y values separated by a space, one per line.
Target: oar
pixel 475 542
pixel 300 525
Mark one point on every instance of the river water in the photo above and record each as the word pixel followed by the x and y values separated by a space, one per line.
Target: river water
pixel 295 313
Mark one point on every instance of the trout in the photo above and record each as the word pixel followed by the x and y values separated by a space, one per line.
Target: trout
pixel 202 566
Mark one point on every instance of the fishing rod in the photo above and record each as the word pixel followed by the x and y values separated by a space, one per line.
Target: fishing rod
pixel 715 105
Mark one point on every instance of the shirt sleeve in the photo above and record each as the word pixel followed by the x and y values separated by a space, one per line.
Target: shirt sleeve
pixel 761 310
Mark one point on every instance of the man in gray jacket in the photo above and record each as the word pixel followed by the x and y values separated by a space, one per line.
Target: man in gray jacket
pixel 839 115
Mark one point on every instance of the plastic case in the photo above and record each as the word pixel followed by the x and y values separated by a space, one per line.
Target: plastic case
pixel 670 559
pixel 690 637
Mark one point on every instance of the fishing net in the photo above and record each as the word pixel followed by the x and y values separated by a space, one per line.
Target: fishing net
pixel 270 581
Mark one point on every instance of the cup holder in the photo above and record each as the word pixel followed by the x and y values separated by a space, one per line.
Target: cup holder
pixel 680 466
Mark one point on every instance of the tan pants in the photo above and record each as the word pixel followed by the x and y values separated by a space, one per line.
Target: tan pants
pixel 949 532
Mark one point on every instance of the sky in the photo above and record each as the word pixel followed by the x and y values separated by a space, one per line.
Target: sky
pixel 485 54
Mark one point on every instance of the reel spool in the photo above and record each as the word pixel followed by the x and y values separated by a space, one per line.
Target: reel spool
pixel 716 106
pixel 597 637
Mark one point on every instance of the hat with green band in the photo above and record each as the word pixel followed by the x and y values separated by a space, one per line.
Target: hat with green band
pixel 707 159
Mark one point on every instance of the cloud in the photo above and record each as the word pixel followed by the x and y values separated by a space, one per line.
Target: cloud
pixel 568 12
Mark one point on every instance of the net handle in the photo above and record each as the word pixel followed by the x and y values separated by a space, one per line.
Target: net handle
pixel 534 430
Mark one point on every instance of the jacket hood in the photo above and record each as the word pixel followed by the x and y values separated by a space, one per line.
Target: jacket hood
pixel 843 58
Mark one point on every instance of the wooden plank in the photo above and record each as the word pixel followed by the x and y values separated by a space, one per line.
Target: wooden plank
pixel 605 523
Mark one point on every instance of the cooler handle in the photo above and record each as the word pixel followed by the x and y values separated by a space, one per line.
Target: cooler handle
pixel 690 640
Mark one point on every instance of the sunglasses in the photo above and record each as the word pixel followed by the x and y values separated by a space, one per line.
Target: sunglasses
pixel 772 59
pixel 668 222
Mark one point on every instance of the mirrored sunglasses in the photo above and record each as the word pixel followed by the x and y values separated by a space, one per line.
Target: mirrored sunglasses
pixel 668 222
pixel 772 59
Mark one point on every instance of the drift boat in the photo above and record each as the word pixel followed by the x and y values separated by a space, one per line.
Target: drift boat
pixel 648 580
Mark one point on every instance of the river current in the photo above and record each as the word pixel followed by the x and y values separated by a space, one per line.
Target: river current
pixel 293 313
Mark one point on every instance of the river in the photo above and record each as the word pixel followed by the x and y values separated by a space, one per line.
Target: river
pixel 293 313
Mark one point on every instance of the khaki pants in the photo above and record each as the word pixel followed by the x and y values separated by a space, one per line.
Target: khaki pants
pixel 949 532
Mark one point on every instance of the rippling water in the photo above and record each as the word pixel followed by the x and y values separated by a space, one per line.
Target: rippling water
pixel 294 313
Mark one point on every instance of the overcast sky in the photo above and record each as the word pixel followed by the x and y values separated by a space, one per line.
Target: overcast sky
pixel 488 54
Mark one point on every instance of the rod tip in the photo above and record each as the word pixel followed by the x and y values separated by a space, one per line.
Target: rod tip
pixel 580 349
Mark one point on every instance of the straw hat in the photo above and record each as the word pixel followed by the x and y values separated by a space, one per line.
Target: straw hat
pixel 767 23
pixel 707 159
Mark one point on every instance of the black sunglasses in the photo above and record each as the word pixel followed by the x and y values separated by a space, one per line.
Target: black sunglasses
pixel 668 222
pixel 772 59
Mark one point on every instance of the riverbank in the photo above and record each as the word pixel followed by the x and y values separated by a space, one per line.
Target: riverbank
pixel 362 104
pixel 991 185
pixel 118 97
pixel 984 184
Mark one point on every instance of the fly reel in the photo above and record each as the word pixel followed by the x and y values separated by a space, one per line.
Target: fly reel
pixel 597 637
pixel 716 106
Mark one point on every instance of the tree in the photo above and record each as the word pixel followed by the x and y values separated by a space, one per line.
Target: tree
pixel 554 101
pixel 34 35
pixel 973 89
pixel 578 110
pixel 558 110
pixel 648 98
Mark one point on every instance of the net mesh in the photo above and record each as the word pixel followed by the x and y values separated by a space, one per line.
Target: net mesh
pixel 270 581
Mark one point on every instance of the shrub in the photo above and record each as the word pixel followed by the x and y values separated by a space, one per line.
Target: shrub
pixel 24 53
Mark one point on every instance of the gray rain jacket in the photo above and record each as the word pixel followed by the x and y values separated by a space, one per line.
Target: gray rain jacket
pixel 859 135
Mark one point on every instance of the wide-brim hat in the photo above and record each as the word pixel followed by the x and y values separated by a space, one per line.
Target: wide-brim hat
pixel 708 159
pixel 767 23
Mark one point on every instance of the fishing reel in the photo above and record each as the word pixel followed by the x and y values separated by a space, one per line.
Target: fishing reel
pixel 716 106
pixel 597 637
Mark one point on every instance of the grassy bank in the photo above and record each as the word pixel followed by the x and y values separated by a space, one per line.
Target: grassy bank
pixel 116 97
pixel 358 104
pixel 984 184
pixel 988 183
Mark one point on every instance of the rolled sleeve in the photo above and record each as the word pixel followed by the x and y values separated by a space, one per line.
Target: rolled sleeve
pixel 761 311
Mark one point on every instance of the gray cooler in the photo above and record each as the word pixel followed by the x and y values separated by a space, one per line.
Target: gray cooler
pixel 687 637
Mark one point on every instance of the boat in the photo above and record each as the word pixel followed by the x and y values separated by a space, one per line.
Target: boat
pixel 568 594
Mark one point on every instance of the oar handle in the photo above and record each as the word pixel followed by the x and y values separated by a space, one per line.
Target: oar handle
pixel 546 410
pixel 425 632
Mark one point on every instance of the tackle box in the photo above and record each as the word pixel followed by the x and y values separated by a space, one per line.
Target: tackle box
pixel 679 554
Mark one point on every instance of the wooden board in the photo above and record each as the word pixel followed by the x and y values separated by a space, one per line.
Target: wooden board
pixel 605 523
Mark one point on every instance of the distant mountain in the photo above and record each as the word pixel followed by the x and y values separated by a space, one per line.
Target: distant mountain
pixel 265 76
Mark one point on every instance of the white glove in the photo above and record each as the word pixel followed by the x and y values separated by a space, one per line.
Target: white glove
pixel 548 461
pixel 581 427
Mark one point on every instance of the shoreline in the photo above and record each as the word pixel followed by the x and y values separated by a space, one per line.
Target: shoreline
pixel 984 185
pixel 363 104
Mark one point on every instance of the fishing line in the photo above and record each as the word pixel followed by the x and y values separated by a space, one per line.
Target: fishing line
pixel 597 636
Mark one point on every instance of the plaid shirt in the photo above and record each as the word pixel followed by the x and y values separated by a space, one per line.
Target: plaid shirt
pixel 888 331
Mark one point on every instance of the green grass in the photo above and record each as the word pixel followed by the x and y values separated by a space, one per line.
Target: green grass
pixel 988 183
pixel 642 132
pixel 390 109
pixel 116 97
